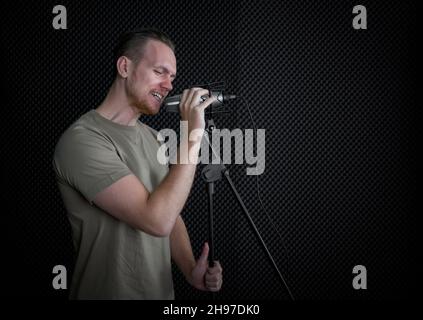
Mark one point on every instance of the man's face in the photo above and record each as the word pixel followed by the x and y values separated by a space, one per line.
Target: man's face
pixel 151 79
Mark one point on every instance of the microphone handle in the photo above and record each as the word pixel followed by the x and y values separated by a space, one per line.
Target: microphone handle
pixel 172 107
pixel 172 103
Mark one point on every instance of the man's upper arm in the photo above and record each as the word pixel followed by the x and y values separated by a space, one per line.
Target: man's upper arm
pixel 90 164
pixel 126 200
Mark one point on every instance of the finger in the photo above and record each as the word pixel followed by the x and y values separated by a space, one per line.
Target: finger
pixel 197 97
pixel 207 102
pixel 204 254
pixel 215 286
pixel 191 96
pixel 212 279
pixel 184 96
pixel 190 93
pixel 183 100
pixel 214 270
pixel 217 268
pixel 217 265
pixel 212 282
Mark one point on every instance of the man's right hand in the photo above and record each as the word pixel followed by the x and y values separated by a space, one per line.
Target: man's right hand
pixel 192 108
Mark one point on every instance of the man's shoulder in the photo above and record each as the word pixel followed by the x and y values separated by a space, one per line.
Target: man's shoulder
pixel 81 130
pixel 84 124
pixel 86 120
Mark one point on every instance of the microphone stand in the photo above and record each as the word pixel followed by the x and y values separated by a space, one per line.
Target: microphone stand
pixel 212 173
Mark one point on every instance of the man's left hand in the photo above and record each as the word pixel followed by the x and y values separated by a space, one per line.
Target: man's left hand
pixel 204 277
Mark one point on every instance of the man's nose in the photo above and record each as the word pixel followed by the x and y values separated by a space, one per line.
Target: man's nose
pixel 167 84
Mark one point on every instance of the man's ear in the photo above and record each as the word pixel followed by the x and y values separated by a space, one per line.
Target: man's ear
pixel 123 65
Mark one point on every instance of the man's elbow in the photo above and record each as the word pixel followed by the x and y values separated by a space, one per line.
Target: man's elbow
pixel 161 231
pixel 157 227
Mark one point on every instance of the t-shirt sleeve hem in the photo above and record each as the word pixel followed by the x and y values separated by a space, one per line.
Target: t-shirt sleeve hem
pixel 103 184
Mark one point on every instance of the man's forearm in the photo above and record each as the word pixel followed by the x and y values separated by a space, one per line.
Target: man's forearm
pixel 168 200
pixel 181 249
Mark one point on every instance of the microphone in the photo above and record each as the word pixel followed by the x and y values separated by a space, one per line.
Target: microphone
pixel 171 103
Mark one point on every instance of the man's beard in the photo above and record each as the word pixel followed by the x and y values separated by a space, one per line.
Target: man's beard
pixel 141 105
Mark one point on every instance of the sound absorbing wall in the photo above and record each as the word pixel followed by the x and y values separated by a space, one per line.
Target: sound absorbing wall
pixel 339 109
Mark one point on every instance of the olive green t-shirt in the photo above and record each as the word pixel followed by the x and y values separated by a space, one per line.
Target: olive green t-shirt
pixel 114 260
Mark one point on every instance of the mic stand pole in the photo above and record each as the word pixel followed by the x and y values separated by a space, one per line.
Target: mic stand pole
pixel 212 173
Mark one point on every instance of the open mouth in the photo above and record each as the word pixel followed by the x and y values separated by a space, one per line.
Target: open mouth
pixel 157 96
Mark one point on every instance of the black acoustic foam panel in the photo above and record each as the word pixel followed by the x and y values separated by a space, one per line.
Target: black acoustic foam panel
pixel 338 106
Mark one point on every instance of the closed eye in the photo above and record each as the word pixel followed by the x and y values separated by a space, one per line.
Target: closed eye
pixel 161 71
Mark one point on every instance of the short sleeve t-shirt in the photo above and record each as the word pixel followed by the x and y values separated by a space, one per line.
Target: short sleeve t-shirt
pixel 114 260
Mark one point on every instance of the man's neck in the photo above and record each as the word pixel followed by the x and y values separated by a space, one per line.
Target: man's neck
pixel 116 108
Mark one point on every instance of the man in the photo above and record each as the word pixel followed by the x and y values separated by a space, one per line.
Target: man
pixel 123 205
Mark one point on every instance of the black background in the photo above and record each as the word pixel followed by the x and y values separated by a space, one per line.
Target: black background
pixel 338 106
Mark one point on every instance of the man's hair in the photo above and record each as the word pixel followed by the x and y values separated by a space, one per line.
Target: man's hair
pixel 131 44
